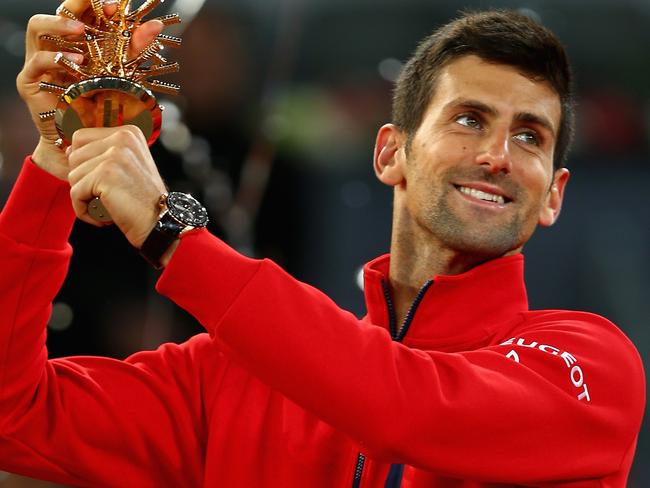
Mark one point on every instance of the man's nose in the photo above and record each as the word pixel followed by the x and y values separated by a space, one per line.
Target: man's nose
pixel 495 153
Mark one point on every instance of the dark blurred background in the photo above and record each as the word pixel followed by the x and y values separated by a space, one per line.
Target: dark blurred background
pixel 274 131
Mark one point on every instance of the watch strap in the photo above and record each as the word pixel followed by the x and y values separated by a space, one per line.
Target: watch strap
pixel 166 231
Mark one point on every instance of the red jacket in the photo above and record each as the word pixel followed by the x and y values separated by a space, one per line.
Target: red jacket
pixel 286 388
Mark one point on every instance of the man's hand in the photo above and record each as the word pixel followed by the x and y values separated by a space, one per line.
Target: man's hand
pixel 115 164
pixel 40 66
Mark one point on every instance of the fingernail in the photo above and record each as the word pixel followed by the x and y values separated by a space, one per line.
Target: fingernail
pixel 74 24
pixel 75 58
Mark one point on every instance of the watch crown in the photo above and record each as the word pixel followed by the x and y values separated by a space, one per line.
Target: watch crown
pixel 162 200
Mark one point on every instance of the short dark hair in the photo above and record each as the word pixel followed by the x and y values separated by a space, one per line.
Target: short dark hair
pixel 500 36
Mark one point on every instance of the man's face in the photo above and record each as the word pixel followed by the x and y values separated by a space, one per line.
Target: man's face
pixel 478 176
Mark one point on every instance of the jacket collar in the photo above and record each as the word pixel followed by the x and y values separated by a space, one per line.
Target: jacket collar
pixel 457 309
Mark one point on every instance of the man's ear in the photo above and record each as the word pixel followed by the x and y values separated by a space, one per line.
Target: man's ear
pixel 390 156
pixel 551 209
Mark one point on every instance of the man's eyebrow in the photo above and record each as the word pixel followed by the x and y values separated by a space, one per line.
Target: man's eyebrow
pixel 472 105
pixel 536 119
pixel 482 107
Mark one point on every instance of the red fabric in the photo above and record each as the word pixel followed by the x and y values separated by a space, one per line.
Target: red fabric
pixel 287 388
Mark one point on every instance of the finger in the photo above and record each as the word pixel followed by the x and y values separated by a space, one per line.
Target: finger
pixel 77 7
pixel 43 62
pixel 144 35
pixel 122 136
pixel 80 7
pixel 58 25
pixel 83 8
pixel 82 163
pixel 124 146
pixel 40 25
pixel 87 159
pixel 82 192
pixel 110 7
pixel 96 137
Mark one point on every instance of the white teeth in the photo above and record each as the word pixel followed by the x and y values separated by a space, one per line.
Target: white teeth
pixel 481 195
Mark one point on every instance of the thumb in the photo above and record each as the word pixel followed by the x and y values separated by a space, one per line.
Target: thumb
pixel 143 36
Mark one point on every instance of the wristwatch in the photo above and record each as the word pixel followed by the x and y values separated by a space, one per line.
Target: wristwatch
pixel 180 212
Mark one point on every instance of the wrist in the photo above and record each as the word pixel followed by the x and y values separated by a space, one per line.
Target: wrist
pixel 51 159
pixel 180 213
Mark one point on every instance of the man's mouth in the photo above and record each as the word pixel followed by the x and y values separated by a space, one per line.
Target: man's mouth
pixel 483 195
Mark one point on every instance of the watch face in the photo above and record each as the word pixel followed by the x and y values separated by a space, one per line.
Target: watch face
pixel 186 209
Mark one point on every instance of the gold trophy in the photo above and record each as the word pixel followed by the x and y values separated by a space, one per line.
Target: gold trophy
pixel 108 89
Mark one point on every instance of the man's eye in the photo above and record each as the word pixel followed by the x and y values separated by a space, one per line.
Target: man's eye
pixel 468 121
pixel 528 138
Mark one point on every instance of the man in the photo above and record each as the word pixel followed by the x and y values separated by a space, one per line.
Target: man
pixel 449 381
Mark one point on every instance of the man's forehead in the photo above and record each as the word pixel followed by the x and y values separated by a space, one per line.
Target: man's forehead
pixel 502 88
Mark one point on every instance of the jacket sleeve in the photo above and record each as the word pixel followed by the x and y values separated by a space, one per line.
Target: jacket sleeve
pixel 489 414
pixel 82 421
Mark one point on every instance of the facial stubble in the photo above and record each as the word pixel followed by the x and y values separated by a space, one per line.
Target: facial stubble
pixel 478 233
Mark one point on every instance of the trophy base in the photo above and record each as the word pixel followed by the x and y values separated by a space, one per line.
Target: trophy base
pixel 107 102
pixel 98 212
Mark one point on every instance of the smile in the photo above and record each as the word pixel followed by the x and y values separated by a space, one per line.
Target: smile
pixel 483 195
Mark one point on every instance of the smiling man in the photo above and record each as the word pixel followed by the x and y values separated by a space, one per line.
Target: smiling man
pixel 449 381
pixel 475 174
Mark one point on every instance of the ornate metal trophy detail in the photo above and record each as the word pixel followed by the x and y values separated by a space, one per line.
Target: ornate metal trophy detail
pixel 108 89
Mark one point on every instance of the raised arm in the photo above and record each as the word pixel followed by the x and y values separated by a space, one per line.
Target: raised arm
pixel 82 421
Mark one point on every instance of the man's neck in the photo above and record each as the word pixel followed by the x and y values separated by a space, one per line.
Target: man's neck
pixel 417 257
pixel 412 266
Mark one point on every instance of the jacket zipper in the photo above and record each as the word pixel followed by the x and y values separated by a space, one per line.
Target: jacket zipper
pixel 397 336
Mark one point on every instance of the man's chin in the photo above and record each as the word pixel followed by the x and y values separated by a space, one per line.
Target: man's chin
pixel 484 243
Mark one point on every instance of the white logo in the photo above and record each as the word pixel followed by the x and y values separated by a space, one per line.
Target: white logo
pixel 575 373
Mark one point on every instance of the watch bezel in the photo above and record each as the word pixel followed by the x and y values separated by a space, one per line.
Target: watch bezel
pixel 191 204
